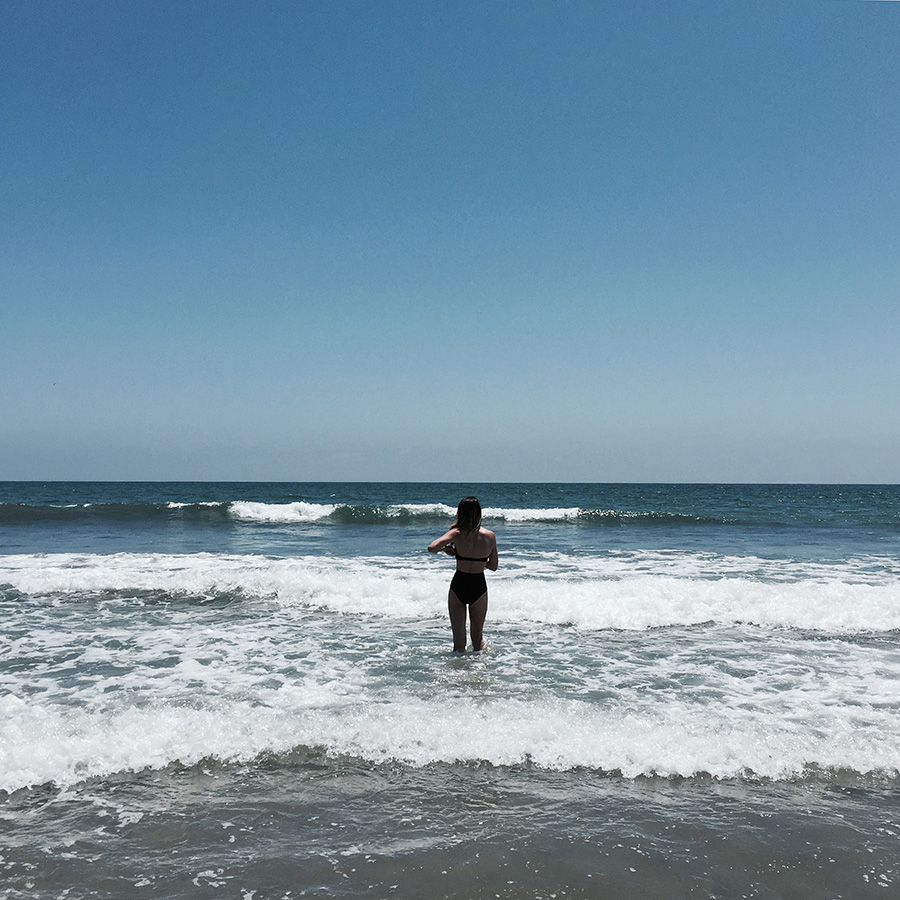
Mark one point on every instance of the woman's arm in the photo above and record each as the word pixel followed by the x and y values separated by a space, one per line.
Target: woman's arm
pixel 443 542
pixel 493 558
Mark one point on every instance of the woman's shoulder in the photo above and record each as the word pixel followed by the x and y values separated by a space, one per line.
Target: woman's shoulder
pixel 488 533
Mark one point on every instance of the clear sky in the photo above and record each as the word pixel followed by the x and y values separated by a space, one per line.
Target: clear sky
pixel 552 241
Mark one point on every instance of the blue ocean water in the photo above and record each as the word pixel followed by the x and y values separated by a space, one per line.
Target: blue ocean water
pixel 247 690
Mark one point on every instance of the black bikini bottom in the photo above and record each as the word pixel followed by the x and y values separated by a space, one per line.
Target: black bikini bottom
pixel 468 586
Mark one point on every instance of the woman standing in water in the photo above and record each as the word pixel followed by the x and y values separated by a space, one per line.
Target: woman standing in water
pixel 475 549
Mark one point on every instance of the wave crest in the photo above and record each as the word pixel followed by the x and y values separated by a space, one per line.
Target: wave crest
pixel 624 591
pixel 660 740
pixel 301 512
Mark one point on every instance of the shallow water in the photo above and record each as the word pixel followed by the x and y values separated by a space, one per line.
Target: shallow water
pixel 304 825
pixel 247 690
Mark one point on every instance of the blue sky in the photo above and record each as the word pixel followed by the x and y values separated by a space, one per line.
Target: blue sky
pixel 451 242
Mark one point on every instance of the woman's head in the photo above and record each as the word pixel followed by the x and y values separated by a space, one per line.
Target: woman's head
pixel 468 514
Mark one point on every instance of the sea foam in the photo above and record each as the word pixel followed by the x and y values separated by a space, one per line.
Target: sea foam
pixel 281 512
pixel 40 743
pixel 644 663
pixel 623 591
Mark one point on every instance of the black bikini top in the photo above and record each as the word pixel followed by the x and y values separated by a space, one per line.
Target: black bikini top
pixel 483 559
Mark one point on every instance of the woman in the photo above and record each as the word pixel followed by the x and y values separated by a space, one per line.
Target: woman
pixel 475 549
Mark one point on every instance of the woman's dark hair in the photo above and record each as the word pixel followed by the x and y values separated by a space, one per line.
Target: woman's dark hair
pixel 468 514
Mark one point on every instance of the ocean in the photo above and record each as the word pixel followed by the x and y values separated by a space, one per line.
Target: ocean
pixel 227 690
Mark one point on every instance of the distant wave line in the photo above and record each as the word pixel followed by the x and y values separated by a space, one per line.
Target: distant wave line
pixel 303 512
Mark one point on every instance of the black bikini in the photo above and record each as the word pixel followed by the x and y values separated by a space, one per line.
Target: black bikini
pixel 469 586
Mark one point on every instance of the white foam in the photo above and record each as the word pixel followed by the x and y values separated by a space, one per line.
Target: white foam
pixel 301 511
pixel 422 509
pixel 350 655
pixel 281 512
pixel 627 591
pixel 304 512
pixel 513 516
pixel 39 743
pixel 386 587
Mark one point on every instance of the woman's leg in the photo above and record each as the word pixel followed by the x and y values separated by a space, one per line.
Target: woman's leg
pixel 477 613
pixel 457 611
